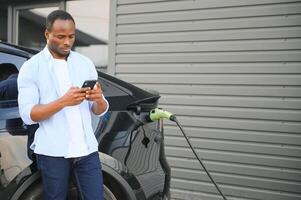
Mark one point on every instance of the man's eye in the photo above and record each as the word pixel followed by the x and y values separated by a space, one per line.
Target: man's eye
pixel 60 37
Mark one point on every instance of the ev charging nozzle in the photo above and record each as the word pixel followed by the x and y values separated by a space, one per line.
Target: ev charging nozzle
pixel 158 113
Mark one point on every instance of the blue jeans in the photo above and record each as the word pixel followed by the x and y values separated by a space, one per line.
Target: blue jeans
pixel 56 173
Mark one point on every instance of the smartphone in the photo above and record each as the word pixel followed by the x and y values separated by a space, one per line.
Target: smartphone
pixel 89 83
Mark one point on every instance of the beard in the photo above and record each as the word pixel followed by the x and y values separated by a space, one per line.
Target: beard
pixel 59 52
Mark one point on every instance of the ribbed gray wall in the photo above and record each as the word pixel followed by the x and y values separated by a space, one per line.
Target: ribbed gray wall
pixel 231 71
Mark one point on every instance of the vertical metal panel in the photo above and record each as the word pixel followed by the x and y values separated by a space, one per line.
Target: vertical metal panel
pixel 231 71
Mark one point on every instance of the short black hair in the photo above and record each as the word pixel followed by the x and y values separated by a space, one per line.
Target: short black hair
pixel 57 14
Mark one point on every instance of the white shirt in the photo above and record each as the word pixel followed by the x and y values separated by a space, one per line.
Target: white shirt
pixel 38 84
pixel 77 142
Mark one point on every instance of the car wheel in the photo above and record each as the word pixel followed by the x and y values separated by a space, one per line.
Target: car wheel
pixel 108 195
pixel 35 193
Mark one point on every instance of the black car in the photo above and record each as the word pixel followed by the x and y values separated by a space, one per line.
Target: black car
pixel 131 149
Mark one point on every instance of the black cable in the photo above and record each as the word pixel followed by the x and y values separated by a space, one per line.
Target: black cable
pixel 130 145
pixel 196 155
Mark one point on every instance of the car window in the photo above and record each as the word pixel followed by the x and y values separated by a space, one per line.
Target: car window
pixel 9 68
pixel 13 59
pixel 111 89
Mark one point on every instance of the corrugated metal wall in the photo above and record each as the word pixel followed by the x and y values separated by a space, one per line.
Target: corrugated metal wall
pixel 231 71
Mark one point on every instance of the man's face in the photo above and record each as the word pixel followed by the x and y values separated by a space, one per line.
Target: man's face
pixel 60 38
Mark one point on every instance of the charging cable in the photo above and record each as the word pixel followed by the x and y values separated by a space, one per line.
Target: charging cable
pixel 156 114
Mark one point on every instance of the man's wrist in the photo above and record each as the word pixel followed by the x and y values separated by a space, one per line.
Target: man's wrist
pixel 99 106
pixel 61 103
pixel 101 100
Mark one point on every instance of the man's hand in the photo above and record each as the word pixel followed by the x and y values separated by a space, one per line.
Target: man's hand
pixel 95 95
pixel 74 96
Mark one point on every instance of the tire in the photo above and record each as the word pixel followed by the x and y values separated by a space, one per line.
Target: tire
pixel 35 193
pixel 108 195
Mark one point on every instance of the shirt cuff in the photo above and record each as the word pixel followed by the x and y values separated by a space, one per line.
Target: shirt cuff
pixel 104 112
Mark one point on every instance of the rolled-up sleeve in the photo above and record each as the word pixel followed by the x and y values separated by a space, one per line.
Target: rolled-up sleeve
pixel 104 112
pixel 28 92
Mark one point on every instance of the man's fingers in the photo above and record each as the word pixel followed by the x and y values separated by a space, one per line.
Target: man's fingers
pixel 96 86
pixel 81 98
pixel 80 94
pixel 93 96
pixel 84 89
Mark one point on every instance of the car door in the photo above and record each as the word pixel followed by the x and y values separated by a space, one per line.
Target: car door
pixel 13 133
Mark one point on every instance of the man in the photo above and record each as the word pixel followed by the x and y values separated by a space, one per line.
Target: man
pixel 50 93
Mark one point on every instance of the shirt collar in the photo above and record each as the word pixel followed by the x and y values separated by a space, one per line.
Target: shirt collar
pixel 49 56
pixel 50 59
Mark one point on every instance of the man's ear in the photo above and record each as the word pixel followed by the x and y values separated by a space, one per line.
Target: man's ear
pixel 46 33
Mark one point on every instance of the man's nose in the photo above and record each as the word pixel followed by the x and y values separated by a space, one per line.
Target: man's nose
pixel 67 41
